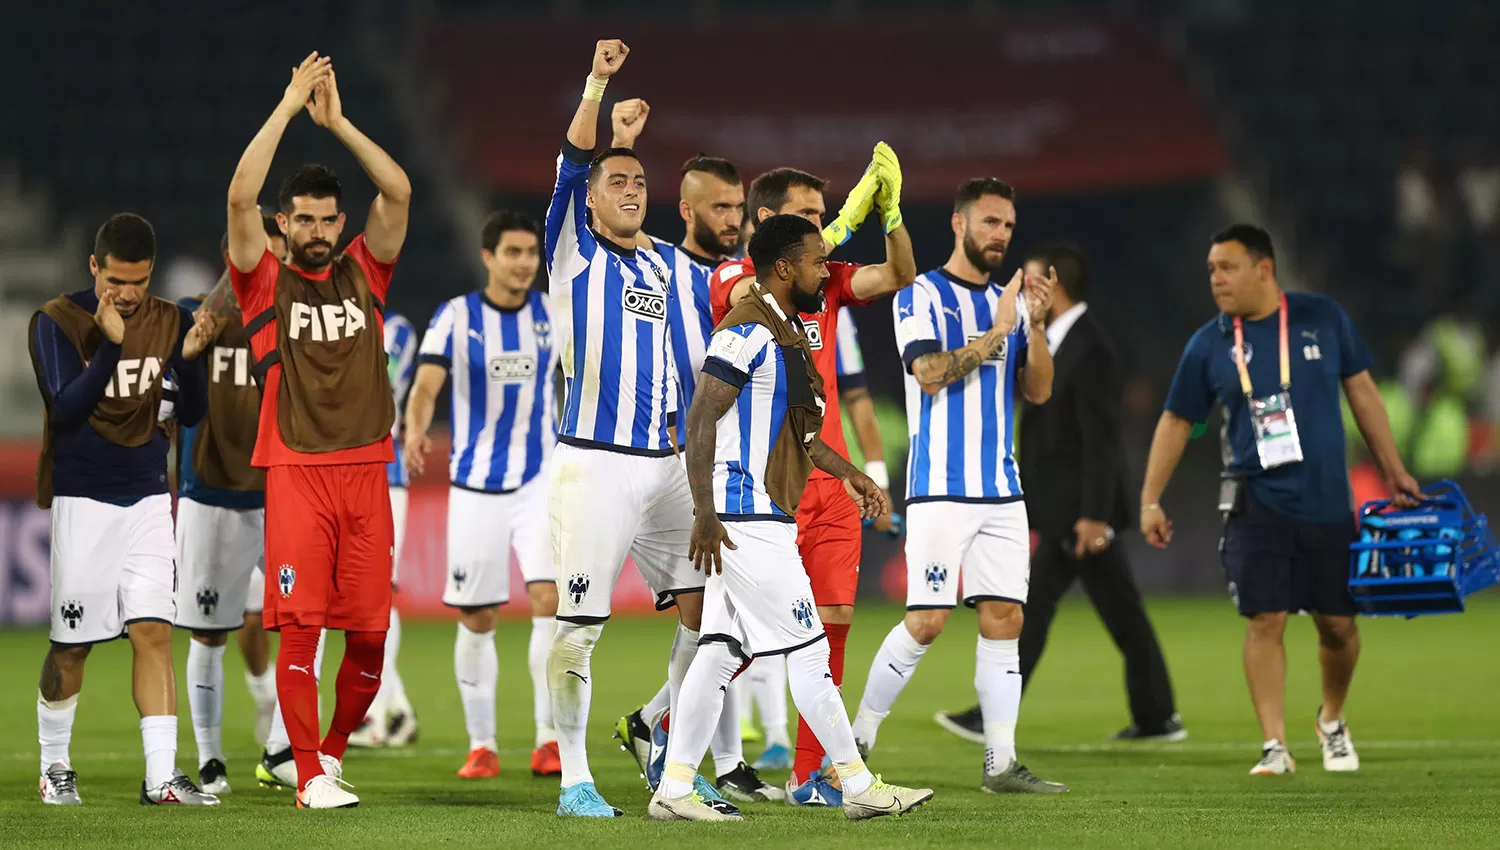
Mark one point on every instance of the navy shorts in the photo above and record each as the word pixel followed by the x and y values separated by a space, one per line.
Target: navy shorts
pixel 1276 563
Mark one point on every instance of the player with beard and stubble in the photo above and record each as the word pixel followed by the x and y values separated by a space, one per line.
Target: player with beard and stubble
pixel 315 328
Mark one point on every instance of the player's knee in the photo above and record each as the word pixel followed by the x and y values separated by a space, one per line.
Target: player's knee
pixel 542 596
pixel 925 626
pixel 151 637
pixel 574 642
pixel 1265 627
pixel 253 622
pixel 1337 633
pixel 1000 620
pixel 480 620
pixel 218 638
pixel 69 659
pixel 690 610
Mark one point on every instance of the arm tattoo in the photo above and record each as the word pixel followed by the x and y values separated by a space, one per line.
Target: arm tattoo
pixel 945 367
pixel 855 394
pixel 829 460
pixel 221 301
pixel 712 399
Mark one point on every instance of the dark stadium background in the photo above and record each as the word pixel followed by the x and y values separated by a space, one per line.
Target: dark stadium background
pixel 1362 133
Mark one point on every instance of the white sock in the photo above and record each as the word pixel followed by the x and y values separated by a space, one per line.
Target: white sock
pixel 205 683
pixel 997 678
pixel 159 740
pixel 684 647
pixel 727 748
pixel 659 703
pixel 391 685
pixel 262 687
pixel 819 703
pixel 570 683
pixel 768 686
pixel 54 728
pixel 744 691
pixel 477 668
pixel 543 629
pixel 278 742
pixel 890 671
pixel 700 702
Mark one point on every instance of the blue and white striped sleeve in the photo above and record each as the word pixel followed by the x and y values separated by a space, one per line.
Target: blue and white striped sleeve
pixel 916 324
pixel 437 343
pixel 568 240
pixel 734 352
pixel 850 361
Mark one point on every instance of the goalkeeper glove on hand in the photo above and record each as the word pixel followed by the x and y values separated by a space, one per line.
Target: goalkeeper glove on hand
pixel 856 208
pixel 888 196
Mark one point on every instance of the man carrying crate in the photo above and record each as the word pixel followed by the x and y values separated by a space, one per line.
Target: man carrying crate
pixel 1276 362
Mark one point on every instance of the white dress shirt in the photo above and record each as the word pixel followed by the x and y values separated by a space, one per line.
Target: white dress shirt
pixel 1060 326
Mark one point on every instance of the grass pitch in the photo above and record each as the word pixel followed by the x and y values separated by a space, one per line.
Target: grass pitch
pixel 1422 715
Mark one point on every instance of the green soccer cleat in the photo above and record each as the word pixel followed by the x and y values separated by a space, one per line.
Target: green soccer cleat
pixel 277 772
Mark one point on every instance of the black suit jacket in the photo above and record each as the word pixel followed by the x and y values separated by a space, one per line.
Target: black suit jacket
pixel 1072 451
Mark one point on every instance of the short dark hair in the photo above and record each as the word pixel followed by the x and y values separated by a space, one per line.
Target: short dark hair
pixel 269 225
pixel 975 188
pixel 127 237
pixel 779 237
pixel 503 222
pixel 715 165
pixel 1072 264
pixel 310 181
pixel 1256 240
pixel 770 190
pixel 596 165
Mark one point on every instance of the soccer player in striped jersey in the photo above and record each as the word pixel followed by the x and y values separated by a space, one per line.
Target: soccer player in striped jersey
pixel 498 348
pixel 615 487
pixel 830 538
pixel 969 346
pixel 752 441
pixel 712 206
pixel 391 721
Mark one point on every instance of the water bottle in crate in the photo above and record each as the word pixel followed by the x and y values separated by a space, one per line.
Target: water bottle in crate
pixel 1422 560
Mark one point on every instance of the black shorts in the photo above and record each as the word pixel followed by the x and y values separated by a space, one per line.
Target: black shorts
pixel 1275 563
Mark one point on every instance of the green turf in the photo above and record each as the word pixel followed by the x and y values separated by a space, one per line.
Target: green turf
pixel 1422 715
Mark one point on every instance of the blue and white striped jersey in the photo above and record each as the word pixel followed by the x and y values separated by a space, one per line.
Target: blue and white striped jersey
pixel 500 365
pixel 850 362
pixel 961 447
pixel 748 357
pixel 689 316
pixel 401 364
pixel 611 324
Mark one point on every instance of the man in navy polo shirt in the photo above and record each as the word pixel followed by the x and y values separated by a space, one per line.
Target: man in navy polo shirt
pixel 1287 501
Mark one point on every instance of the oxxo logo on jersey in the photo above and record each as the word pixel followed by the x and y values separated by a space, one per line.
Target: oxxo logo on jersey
pixel 133 377
pixel 511 367
pixel 230 364
pixel 646 303
pixel 814 334
pixel 326 322
pixel 1000 353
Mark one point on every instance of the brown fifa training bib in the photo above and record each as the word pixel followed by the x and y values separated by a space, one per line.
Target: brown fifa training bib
pixel 225 439
pixel 127 414
pixel 789 465
pixel 335 390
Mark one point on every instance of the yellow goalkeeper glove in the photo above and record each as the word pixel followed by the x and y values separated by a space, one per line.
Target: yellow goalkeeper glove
pixel 888 196
pixel 855 210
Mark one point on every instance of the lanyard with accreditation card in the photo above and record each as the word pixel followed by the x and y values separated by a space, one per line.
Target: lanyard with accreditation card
pixel 1272 420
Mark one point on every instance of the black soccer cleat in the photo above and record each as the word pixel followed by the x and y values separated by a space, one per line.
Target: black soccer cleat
pixel 968 724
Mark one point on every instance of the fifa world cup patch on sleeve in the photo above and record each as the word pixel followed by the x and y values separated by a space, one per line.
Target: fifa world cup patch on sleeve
pixel 727 345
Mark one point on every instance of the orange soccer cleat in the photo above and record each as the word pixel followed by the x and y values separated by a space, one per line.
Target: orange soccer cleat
pixel 545 761
pixel 482 764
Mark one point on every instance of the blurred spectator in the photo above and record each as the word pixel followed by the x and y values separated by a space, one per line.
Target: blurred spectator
pixel 1423 249
pixel 1479 188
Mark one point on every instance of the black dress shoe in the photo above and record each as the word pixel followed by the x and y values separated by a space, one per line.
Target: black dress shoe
pixel 968 725
pixel 1170 731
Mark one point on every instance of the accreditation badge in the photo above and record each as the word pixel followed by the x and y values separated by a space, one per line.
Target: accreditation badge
pixel 1275 427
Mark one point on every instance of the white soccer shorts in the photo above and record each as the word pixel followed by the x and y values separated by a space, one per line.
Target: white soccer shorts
pixel 399 497
pixel 218 552
pixel 255 597
pixel 482 529
pixel 762 603
pixel 603 506
pixel 111 566
pixel 988 542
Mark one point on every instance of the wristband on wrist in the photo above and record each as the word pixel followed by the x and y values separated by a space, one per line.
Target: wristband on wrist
pixel 593 88
pixel 879 474
pixel 1154 506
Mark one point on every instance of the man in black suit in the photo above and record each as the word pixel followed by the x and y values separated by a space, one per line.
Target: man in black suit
pixel 1073 468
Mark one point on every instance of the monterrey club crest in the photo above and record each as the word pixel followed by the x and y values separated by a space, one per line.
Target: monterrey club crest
pixel 286 579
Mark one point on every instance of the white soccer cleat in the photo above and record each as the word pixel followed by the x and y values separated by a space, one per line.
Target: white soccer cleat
pixel 1275 760
pixel 401 728
pixel 332 766
pixel 324 792
pixel 691 807
pixel 881 799
pixel 1338 748
pixel 370 734
pixel 59 785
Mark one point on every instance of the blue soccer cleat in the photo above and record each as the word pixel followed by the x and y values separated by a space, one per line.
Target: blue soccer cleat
pixel 713 798
pixel 656 764
pixel 776 757
pixel 583 801
pixel 816 791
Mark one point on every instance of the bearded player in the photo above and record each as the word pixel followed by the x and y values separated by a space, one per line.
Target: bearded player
pixel 828 523
pixel 325 418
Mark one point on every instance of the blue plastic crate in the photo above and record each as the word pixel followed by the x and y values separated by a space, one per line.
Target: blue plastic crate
pixel 1423 560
